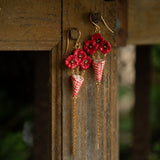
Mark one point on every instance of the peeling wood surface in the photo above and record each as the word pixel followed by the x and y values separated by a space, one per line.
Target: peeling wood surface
pixel 29 25
pixel 76 14
pixel 143 22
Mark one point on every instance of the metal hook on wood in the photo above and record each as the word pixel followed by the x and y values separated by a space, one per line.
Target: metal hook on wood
pixel 73 34
pixel 95 18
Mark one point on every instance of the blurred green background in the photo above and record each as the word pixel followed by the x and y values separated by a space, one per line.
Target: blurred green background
pixel 17 101
pixel 16 105
pixel 126 120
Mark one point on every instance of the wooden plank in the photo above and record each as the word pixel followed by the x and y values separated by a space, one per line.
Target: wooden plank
pixel 56 78
pixel 47 137
pixel 122 22
pixel 76 14
pixel 42 111
pixel 53 88
pixel 29 25
pixel 141 141
pixel 143 22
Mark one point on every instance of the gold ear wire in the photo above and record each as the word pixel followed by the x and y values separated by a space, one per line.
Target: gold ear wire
pixel 78 44
pixel 106 25
pixel 98 28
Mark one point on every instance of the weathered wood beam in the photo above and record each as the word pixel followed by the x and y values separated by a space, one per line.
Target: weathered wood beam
pixel 47 129
pixel 76 14
pixel 122 22
pixel 141 136
pixel 143 22
pixel 42 108
pixel 30 25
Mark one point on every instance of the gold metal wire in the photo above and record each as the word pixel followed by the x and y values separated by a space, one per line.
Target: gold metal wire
pixel 73 72
pixel 74 134
pixel 98 113
pixel 78 70
pixel 78 44
pixel 98 55
pixel 104 134
pixel 83 73
pixel 83 133
pixel 98 28
pixel 93 57
pixel 106 25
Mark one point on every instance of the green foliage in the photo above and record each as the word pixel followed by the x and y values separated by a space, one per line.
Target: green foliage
pixel 16 99
pixel 123 90
pixel 12 118
pixel 155 104
pixel 156 58
pixel 126 122
pixel 154 156
pixel 13 147
pixel 125 126
pixel 155 107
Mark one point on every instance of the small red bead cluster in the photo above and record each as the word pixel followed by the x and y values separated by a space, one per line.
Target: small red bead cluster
pixel 96 43
pixel 79 58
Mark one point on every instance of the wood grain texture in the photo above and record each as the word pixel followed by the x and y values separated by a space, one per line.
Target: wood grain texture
pixel 42 114
pixel 29 25
pixel 143 22
pixel 76 14
pixel 122 22
pixel 42 25
pixel 141 112
pixel 47 135
pixel 56 132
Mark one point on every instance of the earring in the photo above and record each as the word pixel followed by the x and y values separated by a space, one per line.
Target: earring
pixel 97 47
pixel 78 62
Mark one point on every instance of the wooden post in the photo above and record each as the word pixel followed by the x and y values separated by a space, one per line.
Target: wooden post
pixel 76 14
pixel 122 22
pixel 42 114
pixel 42 26
pixel 141 142
pixel 47 130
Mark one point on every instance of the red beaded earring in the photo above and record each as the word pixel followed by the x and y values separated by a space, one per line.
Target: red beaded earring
pixel 97 47
pixel 78 62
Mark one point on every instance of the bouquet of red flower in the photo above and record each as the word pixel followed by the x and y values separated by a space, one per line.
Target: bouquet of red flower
pixel 79 59
pixel 96 44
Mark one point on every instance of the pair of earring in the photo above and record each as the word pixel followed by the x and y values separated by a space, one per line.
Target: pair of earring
pixel 97 47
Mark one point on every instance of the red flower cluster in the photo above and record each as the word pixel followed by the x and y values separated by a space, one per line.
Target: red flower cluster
pixel 86 63
pixel 79 57
pixel 71 62
pixel 97 43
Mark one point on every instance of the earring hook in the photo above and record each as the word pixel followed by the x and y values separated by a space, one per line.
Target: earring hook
pixel 96 18
pixel 71 35
pixel 78 44
pixel 98 29
pixel 106 25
